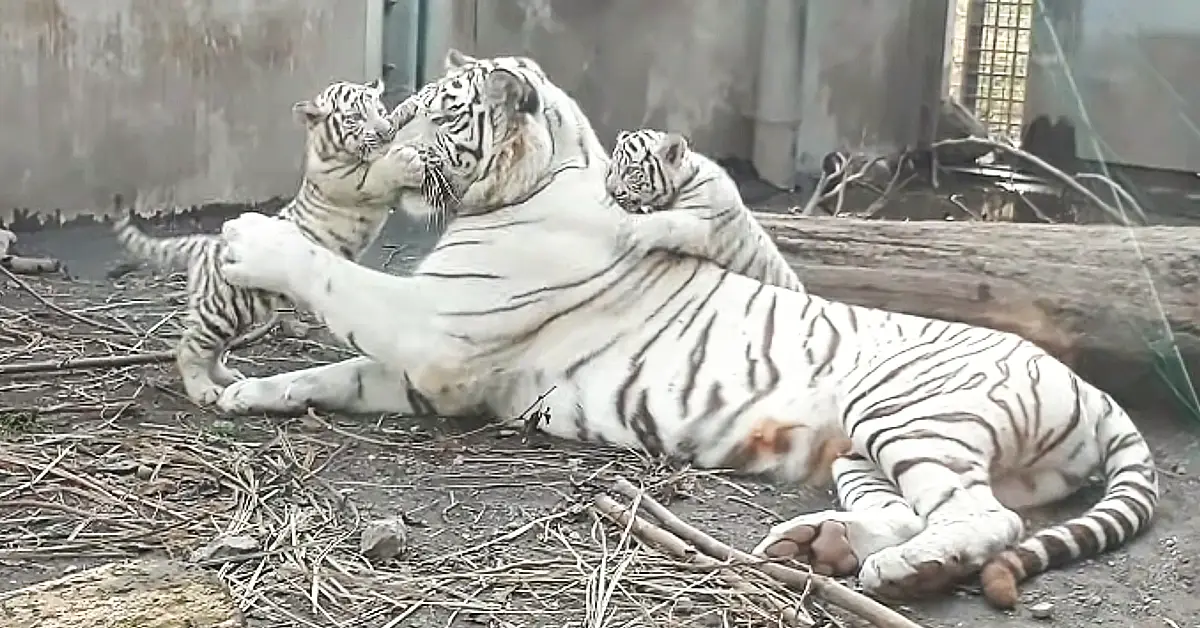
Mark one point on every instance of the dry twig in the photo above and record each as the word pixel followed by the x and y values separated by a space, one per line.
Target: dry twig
pixel 104 361
pixel 1071 182
pixel 791 614
pixel 821 586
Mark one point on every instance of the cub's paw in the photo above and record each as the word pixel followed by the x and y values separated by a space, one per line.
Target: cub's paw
pixel 630 236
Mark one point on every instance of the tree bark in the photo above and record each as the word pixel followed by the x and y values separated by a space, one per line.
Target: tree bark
pixel 147 594
pixel 1103 298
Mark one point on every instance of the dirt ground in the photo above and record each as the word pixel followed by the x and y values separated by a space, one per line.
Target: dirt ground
pixel 105 463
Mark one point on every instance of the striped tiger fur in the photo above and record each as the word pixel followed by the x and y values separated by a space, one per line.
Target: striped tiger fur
pixel 932 431
pixel 342 204
pixel 681 201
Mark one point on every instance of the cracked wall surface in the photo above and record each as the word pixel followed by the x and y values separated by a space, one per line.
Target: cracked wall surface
pixel 177 103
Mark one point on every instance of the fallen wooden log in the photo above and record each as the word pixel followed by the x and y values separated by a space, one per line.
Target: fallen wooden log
pixel 144 593
pixel 30 265
pixel 23 265
pixel 1117 302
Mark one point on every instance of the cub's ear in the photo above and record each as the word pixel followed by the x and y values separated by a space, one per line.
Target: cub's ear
pixel 376 86
pixel 512 92
pixel 674 147
pixel 309 112
pixel 621 135
pixel 456 58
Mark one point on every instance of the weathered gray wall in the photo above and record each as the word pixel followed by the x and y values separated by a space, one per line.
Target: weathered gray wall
pixel 872 77
pixel 689 65
pixel 1129 69
pixel 183 102
pixel 762 79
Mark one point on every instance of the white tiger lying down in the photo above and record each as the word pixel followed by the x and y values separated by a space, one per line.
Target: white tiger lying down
pixel 681 201
pixel 933 431
pixel 342 204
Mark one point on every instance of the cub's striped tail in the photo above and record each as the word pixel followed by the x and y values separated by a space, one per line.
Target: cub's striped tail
pixel 1130 497
pixel 176 252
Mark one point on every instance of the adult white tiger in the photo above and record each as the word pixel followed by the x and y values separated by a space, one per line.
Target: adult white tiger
pixel 528 291
pixel 344 200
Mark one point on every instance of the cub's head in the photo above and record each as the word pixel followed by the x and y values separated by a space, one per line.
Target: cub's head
pixel 646 169
pixel 488 132
pixel 346 123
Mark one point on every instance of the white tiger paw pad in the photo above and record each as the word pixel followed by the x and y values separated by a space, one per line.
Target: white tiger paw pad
pixel 938 558
pixel 908 573
pixel 817 539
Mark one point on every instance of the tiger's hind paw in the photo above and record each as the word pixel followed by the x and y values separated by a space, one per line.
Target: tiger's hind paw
pixel 835 542
pixel 898 573
pixel 823 545
pixel 943 555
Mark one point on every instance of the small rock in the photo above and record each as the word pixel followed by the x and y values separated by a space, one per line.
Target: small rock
pixel 507 432
pixel 161 486
pixel 1042 610
pixel 222 426
pixel 143 472
pixel 384 539
pixel 224 546
pixel 291 328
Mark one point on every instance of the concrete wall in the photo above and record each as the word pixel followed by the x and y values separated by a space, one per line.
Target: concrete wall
pixel 872 77
pixel 688 65
pixel 1125 74
pixel 184 102
pixel 187 102
pixel 763 79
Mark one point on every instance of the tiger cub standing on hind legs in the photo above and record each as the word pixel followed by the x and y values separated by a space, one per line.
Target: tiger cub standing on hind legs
pixel 343 202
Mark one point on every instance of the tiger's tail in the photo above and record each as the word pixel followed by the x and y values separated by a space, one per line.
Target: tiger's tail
pixel 1130 497
pixel 166 253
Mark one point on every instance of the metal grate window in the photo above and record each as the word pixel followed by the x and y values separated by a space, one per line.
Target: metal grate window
pixel 995 61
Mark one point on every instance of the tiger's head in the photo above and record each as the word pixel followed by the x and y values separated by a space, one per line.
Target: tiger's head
pixel 491 132
pixel 347 123
pixel 646 169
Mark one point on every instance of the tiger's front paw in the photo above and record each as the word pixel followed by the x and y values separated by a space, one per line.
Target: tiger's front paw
pixel 259 396
pixel 267 253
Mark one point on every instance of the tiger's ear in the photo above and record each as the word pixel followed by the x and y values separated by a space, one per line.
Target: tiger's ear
pixel 309 112
pixel 456 58
pixel 673 148
pixel 376 86
pixel 621 135
pixel 512 92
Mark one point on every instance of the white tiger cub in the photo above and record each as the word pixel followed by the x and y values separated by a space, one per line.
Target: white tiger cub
pixel 343 202
pixel 681 201
pixel 951 427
